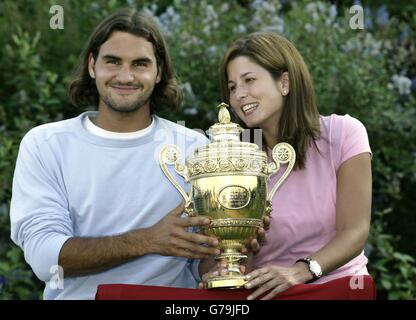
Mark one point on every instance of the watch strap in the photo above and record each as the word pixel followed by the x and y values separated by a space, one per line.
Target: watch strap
pixel 308 261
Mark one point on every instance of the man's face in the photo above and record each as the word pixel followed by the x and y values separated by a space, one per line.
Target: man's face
pixel 125 72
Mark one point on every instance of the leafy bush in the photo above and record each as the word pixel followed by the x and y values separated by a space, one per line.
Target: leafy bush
pixel 33 98
pixel 394 271
pixel 366 73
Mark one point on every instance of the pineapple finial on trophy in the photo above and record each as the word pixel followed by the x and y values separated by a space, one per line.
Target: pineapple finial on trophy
pixel 224 114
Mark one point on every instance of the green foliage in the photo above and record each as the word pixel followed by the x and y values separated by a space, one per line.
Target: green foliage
pixel 34 89
pixel 16 281
pixel 364 73
pixel 32 98
pixel 394 271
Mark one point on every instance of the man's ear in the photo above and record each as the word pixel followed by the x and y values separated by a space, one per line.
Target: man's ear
pixel 284 83
pixel 91 63
pixel 159 73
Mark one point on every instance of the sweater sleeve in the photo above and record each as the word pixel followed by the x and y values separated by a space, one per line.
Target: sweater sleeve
pixel 193 265
pixel 39 215
pixel 198 141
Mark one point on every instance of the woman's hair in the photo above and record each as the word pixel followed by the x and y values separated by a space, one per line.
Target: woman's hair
pixel 166 94
pixel 299 122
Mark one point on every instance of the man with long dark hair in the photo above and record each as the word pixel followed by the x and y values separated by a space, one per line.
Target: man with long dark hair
pixel 90 204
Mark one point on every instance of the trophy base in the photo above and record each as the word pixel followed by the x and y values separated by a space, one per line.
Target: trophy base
pixel 229 282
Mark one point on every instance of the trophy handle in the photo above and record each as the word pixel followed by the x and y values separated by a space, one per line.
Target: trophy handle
pixel 171 155
pixel 282 153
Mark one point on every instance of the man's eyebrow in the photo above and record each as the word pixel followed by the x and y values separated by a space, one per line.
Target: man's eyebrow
pixel 111 57
pixel 242 76
pixel 144 59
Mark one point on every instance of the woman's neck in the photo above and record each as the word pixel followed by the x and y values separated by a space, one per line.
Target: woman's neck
pixel 270 128
pixel 270 137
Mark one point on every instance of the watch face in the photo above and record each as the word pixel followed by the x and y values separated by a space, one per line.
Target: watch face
pixel 315 268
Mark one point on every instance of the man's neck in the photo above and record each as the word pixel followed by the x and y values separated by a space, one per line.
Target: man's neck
pixel 114 121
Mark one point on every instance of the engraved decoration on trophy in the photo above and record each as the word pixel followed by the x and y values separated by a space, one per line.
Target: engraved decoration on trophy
pixel 228 180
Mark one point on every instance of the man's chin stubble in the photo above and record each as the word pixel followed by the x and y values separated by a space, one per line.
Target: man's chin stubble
pixel 122 109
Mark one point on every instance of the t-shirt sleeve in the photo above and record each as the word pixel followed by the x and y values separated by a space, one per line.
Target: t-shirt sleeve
pixel 351 137
pixel 39 215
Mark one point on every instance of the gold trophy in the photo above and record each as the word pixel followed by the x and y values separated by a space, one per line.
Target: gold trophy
pixel 228 185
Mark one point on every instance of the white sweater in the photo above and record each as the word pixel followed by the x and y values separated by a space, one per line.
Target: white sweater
pixel 70 182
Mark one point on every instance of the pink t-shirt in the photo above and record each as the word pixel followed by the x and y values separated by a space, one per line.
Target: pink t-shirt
pixel 303 217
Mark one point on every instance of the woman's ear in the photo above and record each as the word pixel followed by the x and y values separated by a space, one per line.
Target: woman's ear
pixel 284 83
pixel 91 63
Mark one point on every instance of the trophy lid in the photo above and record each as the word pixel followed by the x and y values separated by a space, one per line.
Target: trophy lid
pixel 225 130
pixel 226 154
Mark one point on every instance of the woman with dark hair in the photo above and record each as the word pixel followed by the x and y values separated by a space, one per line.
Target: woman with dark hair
pixel 321 213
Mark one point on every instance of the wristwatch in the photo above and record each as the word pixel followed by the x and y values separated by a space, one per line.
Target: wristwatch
pixel 313 266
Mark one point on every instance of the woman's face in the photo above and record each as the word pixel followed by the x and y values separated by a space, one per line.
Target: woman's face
pixel 255 96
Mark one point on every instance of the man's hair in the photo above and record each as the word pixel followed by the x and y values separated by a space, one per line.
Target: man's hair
pixel 299 123
pixel 166 94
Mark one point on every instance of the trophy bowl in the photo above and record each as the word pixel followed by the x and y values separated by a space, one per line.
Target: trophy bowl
pixel 229 186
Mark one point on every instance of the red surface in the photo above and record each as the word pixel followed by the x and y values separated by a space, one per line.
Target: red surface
pixel 339 289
